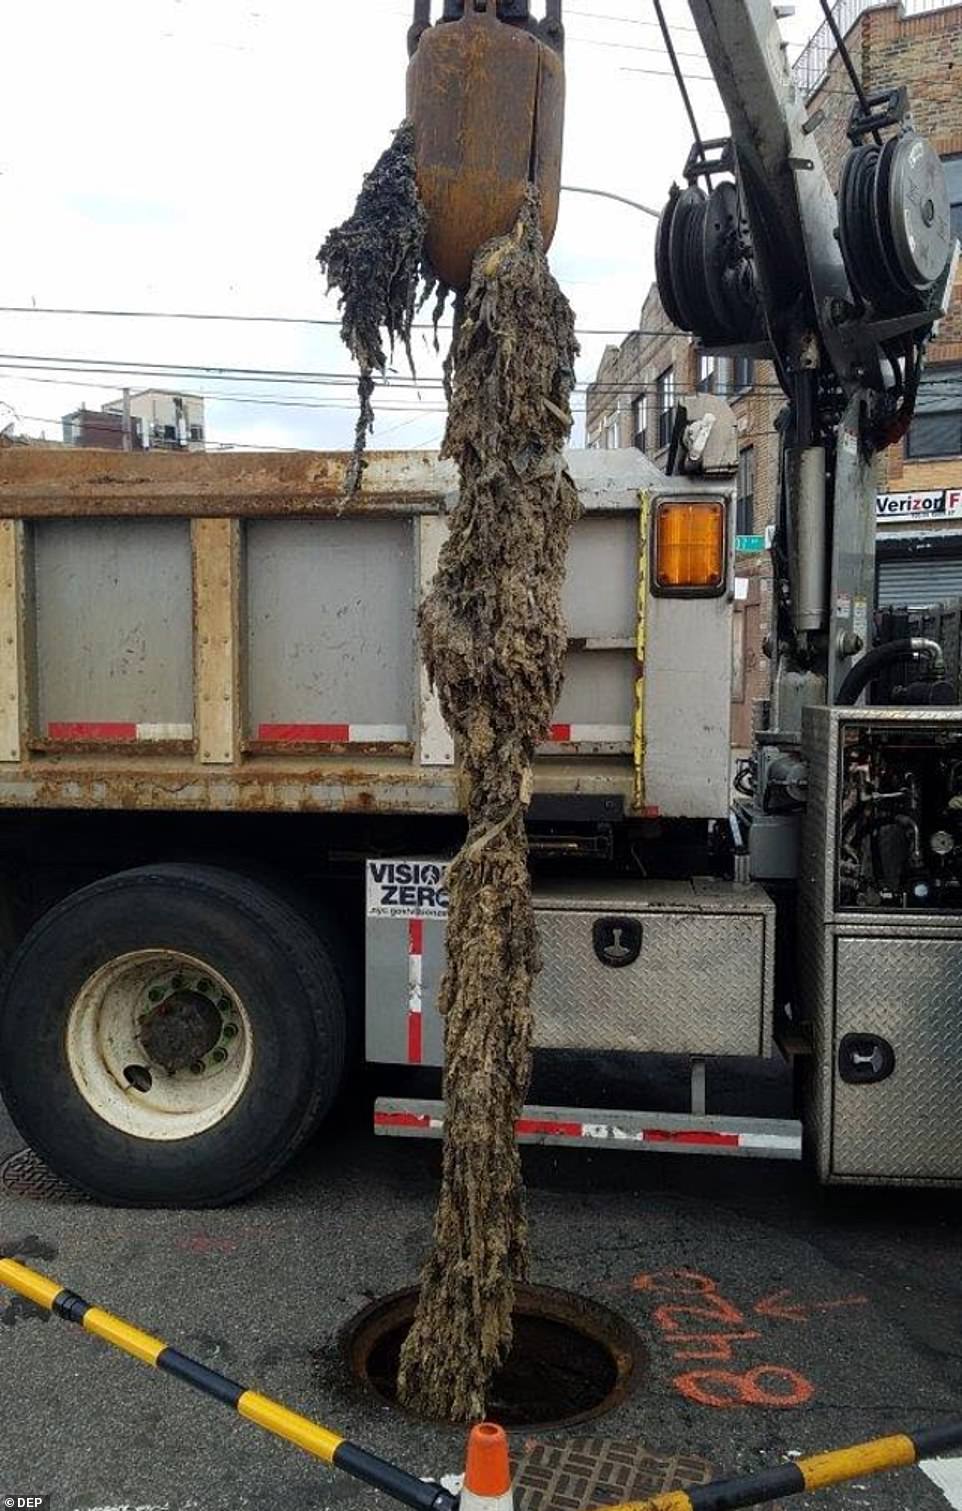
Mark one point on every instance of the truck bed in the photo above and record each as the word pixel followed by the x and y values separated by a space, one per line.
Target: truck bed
pixel 207 632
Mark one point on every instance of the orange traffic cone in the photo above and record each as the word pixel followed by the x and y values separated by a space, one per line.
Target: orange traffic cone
pixel 487 1477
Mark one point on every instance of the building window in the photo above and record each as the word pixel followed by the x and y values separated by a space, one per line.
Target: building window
pixel 706 374
pixel 197 432
pixel 745 502
pixel 664 403
pixel 936 429
pixel 953 177
pixel 743 373
pixel 639 421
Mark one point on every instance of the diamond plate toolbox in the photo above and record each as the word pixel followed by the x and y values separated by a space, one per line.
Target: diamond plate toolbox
pixel 681 967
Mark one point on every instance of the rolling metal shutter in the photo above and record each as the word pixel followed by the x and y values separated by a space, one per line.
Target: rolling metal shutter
pixel 916 582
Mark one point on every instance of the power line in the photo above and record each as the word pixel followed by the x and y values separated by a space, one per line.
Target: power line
pixel 98 367
pixel 664 73
pixel 427 325
pixel 103 367
pixel 34 419
pixel 631 47
pixel 623 20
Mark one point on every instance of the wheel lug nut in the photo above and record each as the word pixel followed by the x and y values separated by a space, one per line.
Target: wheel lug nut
pixel 225 1004
pixel 203 984
pixel 219 1056
pixel 155 993
pixel 197 1069
pixel 230 1030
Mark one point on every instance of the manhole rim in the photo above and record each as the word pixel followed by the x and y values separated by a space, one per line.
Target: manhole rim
pixel 612 1332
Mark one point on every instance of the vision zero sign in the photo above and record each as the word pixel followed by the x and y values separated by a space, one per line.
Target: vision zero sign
pixel 407 889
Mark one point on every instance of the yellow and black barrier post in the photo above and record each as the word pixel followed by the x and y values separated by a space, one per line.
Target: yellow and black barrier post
pixel 329 1447
pixel 819 1472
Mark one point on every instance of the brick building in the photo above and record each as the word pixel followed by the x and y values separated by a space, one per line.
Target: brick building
pixel 631 401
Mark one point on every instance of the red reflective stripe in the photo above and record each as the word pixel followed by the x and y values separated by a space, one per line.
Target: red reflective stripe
pixel 92 731
pixel 292 733
pixel 414 1039
pixel 560 732
pixel 538 1125
pixel 416 936
pixel 665 1136
pixel 401 1120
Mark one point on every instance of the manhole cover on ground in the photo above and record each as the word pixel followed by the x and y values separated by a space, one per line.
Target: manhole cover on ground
pixel 25 1174
pixel 599 1472
pixel 571 1359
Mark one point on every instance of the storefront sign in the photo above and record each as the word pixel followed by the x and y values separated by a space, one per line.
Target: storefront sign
pixel 937 503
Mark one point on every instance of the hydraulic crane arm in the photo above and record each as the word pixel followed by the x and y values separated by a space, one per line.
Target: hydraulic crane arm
pixel 840 290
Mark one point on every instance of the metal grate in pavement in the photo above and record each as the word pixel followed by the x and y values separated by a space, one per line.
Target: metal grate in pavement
pixel 589 1472
pixel 25 1174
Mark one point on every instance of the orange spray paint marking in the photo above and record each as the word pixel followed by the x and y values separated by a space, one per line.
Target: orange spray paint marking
pixel 696 1298
pixel 710 1346
pixel 781 1306
pixel 724 1389
pixel 676 1283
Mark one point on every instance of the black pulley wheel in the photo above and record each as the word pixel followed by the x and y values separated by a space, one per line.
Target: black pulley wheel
pixel 663 273
pixel 894 222
pixel 728 273
pixel 169 1036
pixel 686 248
pixel 858 227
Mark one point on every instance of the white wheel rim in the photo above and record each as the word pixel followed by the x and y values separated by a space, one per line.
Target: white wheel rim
pixel 115 1072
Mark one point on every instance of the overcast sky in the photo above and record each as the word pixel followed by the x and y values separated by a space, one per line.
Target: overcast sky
pixel 191 154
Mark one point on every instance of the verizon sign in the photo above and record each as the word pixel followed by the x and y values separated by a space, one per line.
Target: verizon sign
pixel 937 503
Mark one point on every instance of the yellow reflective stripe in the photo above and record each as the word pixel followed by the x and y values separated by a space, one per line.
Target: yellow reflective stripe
pixel 676 1501
pixel 129 1339
pixel 28 1283
pixel 851 1463
pixel 639 736
pixel 287 1424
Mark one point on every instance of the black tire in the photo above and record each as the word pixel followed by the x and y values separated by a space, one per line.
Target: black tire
pixel 277 964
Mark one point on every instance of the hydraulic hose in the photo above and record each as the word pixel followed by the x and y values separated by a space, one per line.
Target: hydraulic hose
pixel 861 674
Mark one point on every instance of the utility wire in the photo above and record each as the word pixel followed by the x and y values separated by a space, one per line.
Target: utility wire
pixel 96 367
pixel 34 419
pixel 426 325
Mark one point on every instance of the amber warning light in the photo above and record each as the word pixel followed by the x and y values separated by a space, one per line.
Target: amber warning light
pixel 689 547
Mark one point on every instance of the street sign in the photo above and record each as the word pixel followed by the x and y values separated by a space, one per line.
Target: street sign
pixel 749 543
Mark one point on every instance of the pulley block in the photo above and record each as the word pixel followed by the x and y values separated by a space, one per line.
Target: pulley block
pixel 703 265
pixel 894 222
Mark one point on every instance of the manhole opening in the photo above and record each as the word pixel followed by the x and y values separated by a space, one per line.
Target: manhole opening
pixel 570 1361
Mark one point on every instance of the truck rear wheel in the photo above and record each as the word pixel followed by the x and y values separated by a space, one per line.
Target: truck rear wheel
pixel 169 1036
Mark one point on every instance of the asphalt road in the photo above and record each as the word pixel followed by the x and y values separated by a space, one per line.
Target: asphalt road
pixel 846 1306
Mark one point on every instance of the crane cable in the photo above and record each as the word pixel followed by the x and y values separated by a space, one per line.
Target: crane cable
pixel 680 81
pixel 850 68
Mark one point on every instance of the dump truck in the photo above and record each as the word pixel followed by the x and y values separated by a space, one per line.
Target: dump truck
pixel 228 800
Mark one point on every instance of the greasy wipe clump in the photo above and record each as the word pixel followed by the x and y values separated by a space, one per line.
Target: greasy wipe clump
pixel 374 259
pixel 493 639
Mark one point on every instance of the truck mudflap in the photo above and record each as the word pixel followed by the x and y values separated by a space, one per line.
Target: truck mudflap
pixel 583 1127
